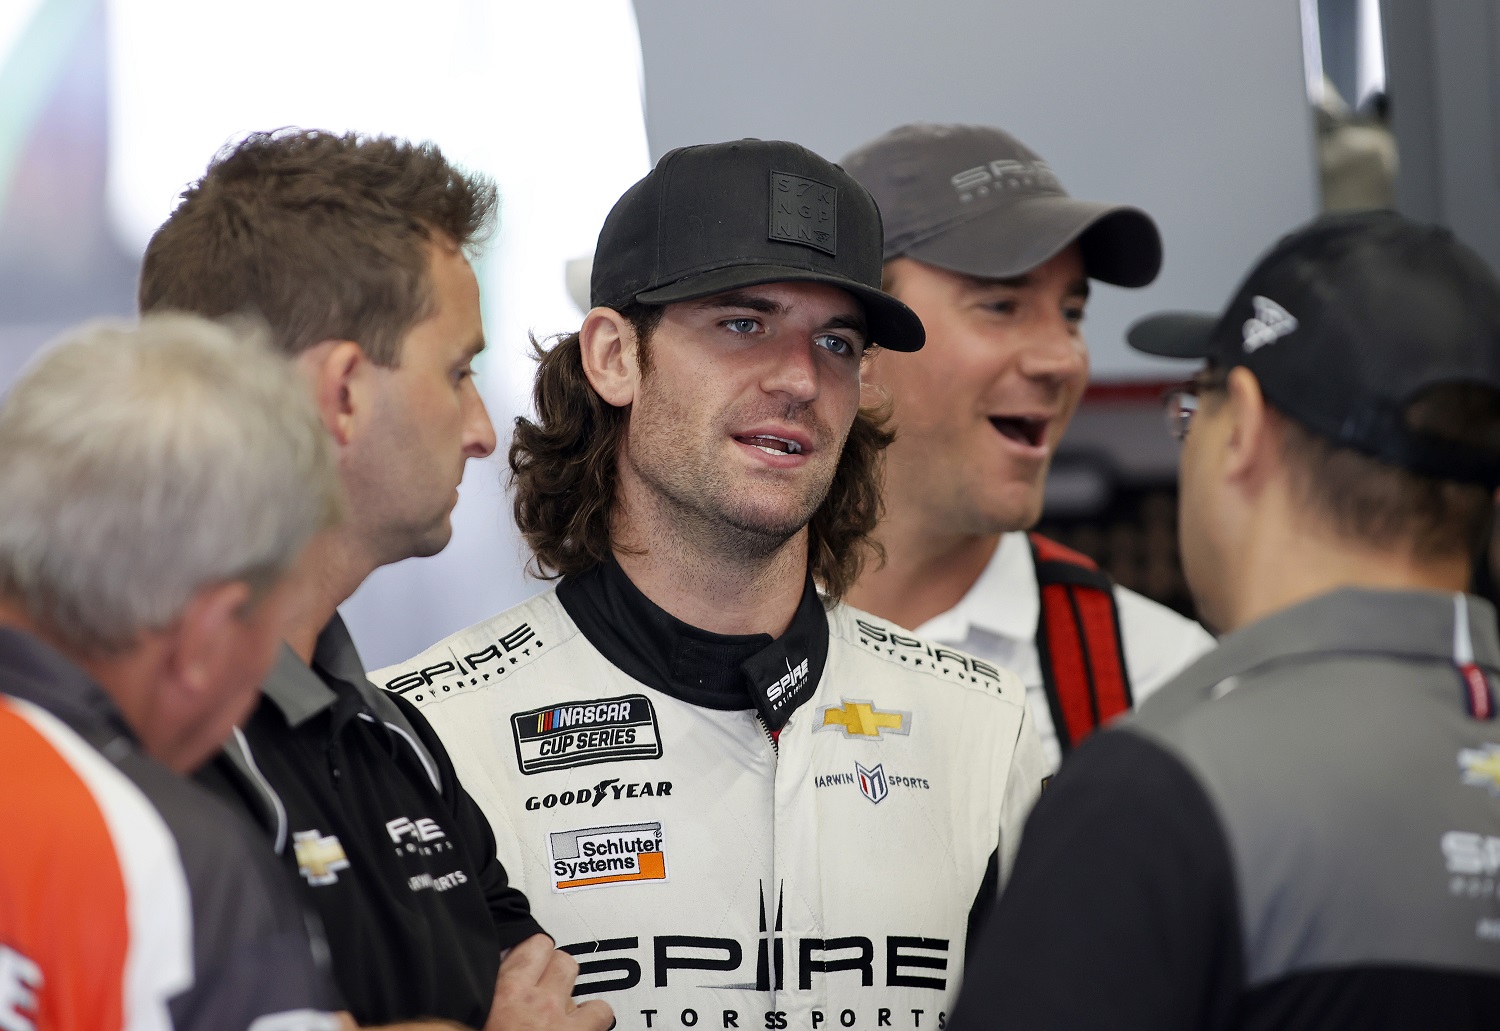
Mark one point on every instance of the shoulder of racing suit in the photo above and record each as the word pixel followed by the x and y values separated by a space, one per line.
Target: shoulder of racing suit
pixel 483 655
pixel 920 656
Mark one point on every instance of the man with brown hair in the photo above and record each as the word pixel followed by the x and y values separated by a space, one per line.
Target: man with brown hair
pixel 1302 830
pixel 355 250
pixel 988 248
pixel 740 802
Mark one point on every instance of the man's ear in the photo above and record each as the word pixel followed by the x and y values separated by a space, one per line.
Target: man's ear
pixel 190 660
pixel 335 370
pixel 201 638
pixel 1251 437
pixel 610 360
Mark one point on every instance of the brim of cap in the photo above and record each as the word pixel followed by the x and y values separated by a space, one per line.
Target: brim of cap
pixel 892 325
pixel 1174 334
pixel 1121 245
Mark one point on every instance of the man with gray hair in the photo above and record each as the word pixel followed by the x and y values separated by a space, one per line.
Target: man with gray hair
pixel 156 486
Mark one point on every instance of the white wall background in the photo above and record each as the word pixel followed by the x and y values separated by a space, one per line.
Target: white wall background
pixel 1443 60
pixel 1194 111
pixel 543 97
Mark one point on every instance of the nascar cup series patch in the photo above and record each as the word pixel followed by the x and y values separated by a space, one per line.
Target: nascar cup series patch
pixel 560 737
pixel 592 857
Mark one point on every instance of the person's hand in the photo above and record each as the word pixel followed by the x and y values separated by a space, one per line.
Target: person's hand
pixel 534 992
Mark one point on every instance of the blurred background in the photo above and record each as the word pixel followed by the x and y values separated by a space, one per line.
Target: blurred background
pixel 1229 122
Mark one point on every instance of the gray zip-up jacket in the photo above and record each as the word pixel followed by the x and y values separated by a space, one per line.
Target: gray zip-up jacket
pixel 1301 831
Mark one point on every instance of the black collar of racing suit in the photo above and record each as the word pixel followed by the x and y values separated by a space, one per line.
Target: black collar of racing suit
pixel 716 671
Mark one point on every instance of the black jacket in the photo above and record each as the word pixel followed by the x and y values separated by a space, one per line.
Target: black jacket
pixel 361 801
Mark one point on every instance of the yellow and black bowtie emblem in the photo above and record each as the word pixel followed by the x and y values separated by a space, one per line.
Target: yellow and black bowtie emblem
pixel 862 719
pixel 320 857
pixel 1481 767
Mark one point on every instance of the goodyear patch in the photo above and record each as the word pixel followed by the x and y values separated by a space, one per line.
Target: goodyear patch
pixel 560 737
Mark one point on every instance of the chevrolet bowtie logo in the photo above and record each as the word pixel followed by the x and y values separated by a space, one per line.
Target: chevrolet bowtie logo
pixel 1481 767
pixel 319 857
pixel 862 719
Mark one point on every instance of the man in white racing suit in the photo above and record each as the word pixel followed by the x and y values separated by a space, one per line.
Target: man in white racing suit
pixel 740 803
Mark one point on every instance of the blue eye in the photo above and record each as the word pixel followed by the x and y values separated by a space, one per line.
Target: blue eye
pixel 741 325
pixel 836 344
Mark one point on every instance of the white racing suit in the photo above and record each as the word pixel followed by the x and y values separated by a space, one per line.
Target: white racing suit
pixel 708 873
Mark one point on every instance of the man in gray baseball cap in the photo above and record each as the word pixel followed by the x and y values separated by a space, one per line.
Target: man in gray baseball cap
pixel 984 244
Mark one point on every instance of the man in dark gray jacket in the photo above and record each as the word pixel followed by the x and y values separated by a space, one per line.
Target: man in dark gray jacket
pixel 1303 828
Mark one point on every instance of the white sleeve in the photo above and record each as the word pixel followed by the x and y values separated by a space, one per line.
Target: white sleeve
pixel 1023 786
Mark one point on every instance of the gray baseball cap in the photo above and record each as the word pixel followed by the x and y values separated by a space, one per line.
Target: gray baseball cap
pixel 976 200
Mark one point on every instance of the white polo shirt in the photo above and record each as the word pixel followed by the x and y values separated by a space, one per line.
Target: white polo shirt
pixel 997 621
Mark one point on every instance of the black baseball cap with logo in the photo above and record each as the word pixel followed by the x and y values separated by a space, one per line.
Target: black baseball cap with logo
pixel 722 216
pixel 976 200
pixel 1345 323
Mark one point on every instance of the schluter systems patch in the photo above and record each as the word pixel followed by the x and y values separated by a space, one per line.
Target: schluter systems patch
pixel 560 737
pixel 595 856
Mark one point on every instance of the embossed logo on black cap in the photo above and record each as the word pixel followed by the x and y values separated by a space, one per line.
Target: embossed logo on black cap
pixel 804 211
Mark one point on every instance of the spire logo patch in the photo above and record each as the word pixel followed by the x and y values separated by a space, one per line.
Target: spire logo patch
pixel 779 693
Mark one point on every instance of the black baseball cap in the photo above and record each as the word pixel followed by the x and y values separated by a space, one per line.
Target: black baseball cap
pixel 976 200
pixel 722 216
pixel 1345 322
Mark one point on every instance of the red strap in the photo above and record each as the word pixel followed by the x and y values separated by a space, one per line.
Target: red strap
pixel 1048 550
pixel 1478 698
pixel 1079 640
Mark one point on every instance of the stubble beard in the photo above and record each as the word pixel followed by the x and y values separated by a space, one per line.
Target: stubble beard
pixel 696 501
pixel 703 512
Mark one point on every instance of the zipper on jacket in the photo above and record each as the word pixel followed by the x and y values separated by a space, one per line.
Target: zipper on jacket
pixel 760 722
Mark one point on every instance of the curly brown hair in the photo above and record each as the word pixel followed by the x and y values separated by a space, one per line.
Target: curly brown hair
pixel 564 472
pixel 322 235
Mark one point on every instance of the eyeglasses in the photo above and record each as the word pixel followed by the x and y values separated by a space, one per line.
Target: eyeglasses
pixel 1180 404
